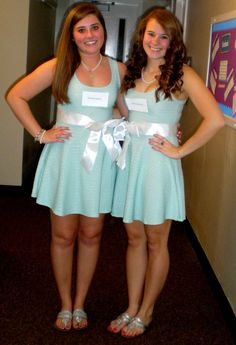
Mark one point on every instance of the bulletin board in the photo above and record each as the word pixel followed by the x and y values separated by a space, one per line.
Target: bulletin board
pixel 221 74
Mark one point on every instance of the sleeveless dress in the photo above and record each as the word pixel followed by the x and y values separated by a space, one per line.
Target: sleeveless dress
pixel 61 182
pixel 150 188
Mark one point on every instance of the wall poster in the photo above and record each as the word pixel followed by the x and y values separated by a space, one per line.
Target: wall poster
pixel 221 76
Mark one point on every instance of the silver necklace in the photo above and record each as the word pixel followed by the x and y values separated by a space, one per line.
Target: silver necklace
pixel 144 80
pixel 91 70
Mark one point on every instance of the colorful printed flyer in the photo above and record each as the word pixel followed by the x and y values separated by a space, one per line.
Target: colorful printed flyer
pixel 221 78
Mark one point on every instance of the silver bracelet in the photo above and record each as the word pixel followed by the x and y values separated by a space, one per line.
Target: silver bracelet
pixel 39 136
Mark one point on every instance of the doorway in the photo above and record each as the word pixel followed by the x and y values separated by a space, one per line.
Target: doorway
pixel 120 19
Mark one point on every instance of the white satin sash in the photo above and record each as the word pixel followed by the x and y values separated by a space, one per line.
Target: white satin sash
pixel 98 130
pixel 144 128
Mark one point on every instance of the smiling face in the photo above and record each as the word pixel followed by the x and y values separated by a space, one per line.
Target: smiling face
pixel 88 35
pixel 155 40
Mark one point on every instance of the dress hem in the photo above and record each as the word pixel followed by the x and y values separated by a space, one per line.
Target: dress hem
pixel 77 212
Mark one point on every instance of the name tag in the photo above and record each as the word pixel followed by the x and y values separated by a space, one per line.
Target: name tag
pixel 95 99
pixel 137 104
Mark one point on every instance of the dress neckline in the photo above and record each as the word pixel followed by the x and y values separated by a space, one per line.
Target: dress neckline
pixel 161 95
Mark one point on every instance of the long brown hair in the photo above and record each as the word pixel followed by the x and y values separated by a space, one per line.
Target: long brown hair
pixel 176 55
pixel 68 58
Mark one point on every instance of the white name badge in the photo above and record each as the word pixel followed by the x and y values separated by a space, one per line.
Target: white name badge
pixel 95 99
pixel 137 104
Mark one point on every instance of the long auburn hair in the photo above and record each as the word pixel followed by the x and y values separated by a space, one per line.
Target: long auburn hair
pixel 171 71
pixel 68 58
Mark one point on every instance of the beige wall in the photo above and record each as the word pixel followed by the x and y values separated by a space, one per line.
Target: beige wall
pixel 210 172
pixel 13 56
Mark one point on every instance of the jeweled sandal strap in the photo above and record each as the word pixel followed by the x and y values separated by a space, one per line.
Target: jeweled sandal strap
pixel 65 316
pixel 124 318
pixel 136 322
pixel 79 315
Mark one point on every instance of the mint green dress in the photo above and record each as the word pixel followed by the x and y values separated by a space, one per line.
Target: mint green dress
pixel 150 188
pixel 61 182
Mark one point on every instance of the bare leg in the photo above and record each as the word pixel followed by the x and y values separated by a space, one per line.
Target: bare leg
pixel 156 274
pixel 64 232
pixel 136 265
pixel 89 239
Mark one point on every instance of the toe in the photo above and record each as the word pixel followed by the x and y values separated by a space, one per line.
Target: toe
pixel 114 327
pixel 80 325
pixel 63 321
pixel 80 320
pixel 135 328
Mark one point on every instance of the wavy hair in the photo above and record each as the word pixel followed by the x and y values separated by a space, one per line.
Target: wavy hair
pixel 171 71
pixel 68 58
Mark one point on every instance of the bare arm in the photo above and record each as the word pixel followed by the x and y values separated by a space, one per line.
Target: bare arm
pixel 27 88
pixel 212 118
pixel 121 106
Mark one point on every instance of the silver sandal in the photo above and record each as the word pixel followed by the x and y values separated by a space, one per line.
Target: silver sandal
pixel 65 316
pixel 123 318
pixel 78 316
pixel 135 323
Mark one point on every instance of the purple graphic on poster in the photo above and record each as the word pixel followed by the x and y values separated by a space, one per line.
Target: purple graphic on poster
pixel 222 66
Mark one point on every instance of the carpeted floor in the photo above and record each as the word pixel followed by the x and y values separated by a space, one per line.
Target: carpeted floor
pixel 188 311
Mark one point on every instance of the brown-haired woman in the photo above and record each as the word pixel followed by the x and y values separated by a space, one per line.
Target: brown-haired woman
pixel 149 190
pixel 76 173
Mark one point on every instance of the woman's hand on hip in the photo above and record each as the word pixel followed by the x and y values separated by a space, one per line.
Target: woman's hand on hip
pixel 56 134
pixel 164 146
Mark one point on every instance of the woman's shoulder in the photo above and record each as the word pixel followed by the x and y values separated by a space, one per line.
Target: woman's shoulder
pixel 193 83
pixel 47 67
pixel 121 66
pixel 189 73
pixel 51 63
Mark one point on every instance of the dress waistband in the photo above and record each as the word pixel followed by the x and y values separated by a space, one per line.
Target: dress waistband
pixel 149 128
pixel 141 129
pixel 98 130
pixel 77 119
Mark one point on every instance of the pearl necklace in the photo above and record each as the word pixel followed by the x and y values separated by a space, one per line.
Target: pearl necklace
pixel 144 80
pixel 92 69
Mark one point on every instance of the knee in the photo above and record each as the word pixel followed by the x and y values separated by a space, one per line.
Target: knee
pixel 157 245
pixel 157 238
pixel 90 236
pixel 154 246
pixel 136 240
pixel 63 240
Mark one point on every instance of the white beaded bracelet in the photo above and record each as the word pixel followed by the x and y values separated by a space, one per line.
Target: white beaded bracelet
pixel 39 136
